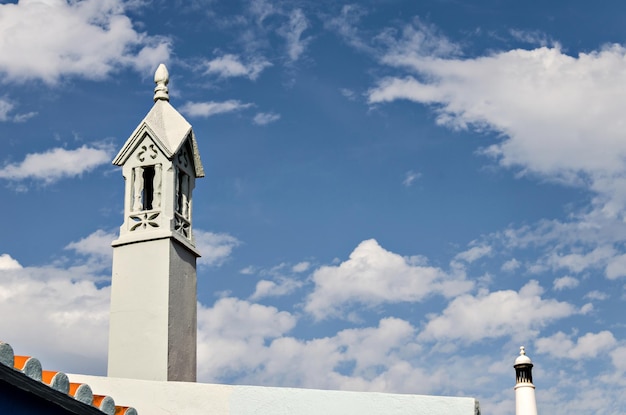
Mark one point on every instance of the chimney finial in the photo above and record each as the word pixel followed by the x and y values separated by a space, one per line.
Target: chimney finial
pixel 161 79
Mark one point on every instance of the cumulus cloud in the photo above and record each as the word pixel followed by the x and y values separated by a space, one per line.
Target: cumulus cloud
pixel 8 263
pixel 537 102
pixel 588 346
pixel 48 40
pixel 618 356
pixel 264 118
pixel 232 333
pixel 494 314
pixel 59 315
pixel 215 248
pixel 56 164
pixel 565 282
pixel 229 65
pixel 247 341
pixel 616 267
pixel 537 99
pixel 210 108
pixel 96 244
pixel 372 276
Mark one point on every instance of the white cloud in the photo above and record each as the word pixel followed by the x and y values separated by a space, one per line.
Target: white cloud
pixel 264 118
pixel 588 346
pixel 418 40
pixel 511 265
pixel 292 32
pixel 246 340
pixel 231 335
pixel 301 266
pixel 261 9
pixel 249 270
pixel 618 356
pixel 576 262
pixel 596 295
pixel 537 99
pixel 533 37
pixel 410 177
pixel 215 248
pixel 97 244
pixel 282 286
pixel 56 164
pixel 247 343
pixel 345 25
pixel 48 40
pixel 6 108
pixel 230 65
pixel 208 109
pixel 58 315
pixel 373 276
pixel 474 253
pixel 616 267
pixel 281 280
pixel 499 313
pixel 586 308
pixel 8 263
pixel 565 282
pixel 537 103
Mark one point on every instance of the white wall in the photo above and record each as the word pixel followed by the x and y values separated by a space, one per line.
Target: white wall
pixel 183 398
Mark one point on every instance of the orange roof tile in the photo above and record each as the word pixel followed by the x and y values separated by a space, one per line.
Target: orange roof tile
pixel 59 381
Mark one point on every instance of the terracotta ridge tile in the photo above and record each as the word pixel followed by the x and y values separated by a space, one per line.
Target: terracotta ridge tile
pixel 59 381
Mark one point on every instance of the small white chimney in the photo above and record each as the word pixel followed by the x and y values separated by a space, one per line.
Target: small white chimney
pixel 152 332
pixel 525 402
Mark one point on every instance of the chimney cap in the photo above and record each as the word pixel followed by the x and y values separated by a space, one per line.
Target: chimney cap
pixel 522 359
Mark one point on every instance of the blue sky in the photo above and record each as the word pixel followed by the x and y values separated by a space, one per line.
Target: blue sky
pixel 397 195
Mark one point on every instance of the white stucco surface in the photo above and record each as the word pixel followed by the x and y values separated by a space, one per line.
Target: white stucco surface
pixel 525 402
pixel 153 312
pixel 184 398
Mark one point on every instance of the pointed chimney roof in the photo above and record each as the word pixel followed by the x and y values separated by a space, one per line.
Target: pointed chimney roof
pixel 165 125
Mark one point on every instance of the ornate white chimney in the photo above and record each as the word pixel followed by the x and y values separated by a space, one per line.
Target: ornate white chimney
pixel 525 402
pixel 152 331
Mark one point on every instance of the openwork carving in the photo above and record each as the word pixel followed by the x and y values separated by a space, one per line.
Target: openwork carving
pixel 182 225
pixel 151 151
pixel 183 158
pixel 144 219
